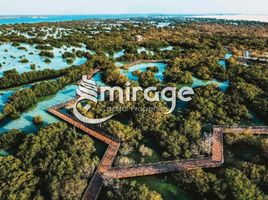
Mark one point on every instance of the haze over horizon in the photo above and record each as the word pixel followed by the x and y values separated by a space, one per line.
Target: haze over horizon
pixel 88 7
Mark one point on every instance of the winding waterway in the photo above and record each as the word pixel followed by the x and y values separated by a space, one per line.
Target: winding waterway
pixel 25 121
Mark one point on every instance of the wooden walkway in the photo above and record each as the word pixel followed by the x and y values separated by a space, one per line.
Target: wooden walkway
pixel 96 183
pixel 160 168
pixel 105 170
pixel 253 59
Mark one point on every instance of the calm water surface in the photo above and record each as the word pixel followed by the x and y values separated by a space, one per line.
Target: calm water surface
pixel 10 57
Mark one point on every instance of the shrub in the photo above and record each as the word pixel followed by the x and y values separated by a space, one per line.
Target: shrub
pixel 38 119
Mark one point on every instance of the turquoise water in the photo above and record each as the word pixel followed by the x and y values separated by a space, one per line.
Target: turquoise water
pixel 5 94
pixel 228 55
pixel 117 54
pixel 119 64
pixel 162 67
pixel 142 67
pixel 4 153
pixel 255 119
pixel 169 48
pixel 97 79
pixel 222 85
pixel 60 18
pixel 222 63
pixel 162 24
pixel 25 121
pixel 143 49
pixel 10 57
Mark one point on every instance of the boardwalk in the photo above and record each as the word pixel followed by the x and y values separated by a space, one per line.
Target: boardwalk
pixel 160 168
pixel 217 145
pixel 105 170
pixel 96 183
pixel 253 59
pixel 95 186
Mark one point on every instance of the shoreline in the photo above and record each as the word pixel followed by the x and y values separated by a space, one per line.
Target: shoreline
pixel 30 19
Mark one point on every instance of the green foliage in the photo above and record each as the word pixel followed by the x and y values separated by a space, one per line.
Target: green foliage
pixel 38 119
pixel 24 60
pixel 12 78
pixel 45 88
pixel 16 182
pixel 151 119
pixel 46 54
pixel 33 66
pixel 256 173
pixel 216 107
pixel 57 155
pixel 126 133
pixel 124 190
pixel 11 139
pixel 175 75
pixel 147 79
pixel 175 144
pixel 240 187
pixel 204 73
pixel 260 106
pixel 113 77
pixel 264 146
pixel 201 183
pixel 44 47
pixel 245 137
pixel 247 91
pixel 19 101
pixel 68 55
pixel 69 61
pixel 47 60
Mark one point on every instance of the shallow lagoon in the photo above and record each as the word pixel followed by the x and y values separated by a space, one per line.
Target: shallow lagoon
pixel 159 183
pixel 5 94
pixel 69 92
pixel 162 67
pixel 142 67
pixel 25 122
pixel 143 49
pixel 10 57
pixel 169 48
pixel 222 85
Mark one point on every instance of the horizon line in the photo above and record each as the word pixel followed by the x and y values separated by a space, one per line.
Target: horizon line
pixel 114 14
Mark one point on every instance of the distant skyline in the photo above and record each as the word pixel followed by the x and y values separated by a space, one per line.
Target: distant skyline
pixel 69 7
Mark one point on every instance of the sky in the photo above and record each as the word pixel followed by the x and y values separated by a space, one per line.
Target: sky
pixel 58 7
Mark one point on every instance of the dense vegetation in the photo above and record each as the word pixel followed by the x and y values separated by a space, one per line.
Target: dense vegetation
pixel 242 177
pixel 57 162
pixel 122 190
